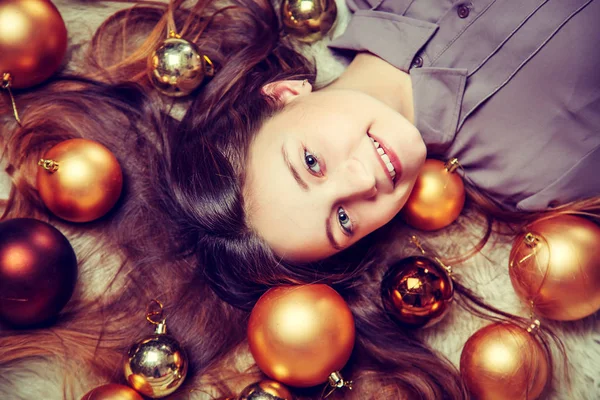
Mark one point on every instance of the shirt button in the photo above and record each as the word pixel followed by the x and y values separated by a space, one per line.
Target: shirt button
pixel 417 62
pixel 463 11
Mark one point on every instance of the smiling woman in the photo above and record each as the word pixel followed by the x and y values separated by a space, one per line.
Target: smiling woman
pixel 327 159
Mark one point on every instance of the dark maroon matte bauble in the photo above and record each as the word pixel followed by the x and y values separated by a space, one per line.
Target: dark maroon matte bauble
pixel 38 271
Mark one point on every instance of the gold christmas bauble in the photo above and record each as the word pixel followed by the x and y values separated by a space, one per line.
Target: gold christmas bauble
pixel 504 362
pixel 156 366
pixel 265 390
pixel 33 41
pixel 112 391
pixel 555 264
pixel 176 68
pixel 79 180
pixel 300 335
pixel 308 20
pixel 417 291
pixel 437 198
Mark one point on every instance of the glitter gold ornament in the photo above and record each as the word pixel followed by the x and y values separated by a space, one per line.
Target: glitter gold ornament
pixel 79 180
pixel 555 265
pixel 437 198
pixel 176 68
pixel 302 335
pixel 308 20
pixel 112 391
pixel 504 362
pixel 157 365
pixel 265 390
pixel 417 291
pixel 38 272
pixel 33 41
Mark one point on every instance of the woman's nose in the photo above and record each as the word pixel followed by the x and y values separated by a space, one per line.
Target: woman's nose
pixel 353 181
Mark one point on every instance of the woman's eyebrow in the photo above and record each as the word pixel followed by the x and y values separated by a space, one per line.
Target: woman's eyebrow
pixel 293 170
pixel 330 237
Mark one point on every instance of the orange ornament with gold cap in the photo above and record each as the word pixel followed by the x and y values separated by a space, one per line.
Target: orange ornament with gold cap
pixel 555 266
pixel 437 198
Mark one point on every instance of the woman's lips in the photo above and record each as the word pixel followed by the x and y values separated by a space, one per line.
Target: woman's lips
pixel 393 159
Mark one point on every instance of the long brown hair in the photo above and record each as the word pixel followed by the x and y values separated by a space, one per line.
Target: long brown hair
pixel 179 232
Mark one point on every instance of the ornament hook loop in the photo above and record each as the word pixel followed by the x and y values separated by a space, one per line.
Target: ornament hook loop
pixel 6 84
pixel 49 165
pixel 336 381
pixel 174 35
pixel 155 315
pixel 415 240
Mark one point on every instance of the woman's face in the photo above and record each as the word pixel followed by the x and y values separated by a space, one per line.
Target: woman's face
pixel 317 182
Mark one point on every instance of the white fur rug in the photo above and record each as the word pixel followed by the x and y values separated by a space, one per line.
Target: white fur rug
pixel 486 273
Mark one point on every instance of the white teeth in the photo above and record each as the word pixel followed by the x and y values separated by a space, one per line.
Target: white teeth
pixel 384 157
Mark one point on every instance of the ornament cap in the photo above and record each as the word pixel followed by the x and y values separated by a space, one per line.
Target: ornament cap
pixel 49 165
pixel 336 381
pixel 452 165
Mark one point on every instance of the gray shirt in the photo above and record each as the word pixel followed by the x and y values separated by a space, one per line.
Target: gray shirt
pixel 509 87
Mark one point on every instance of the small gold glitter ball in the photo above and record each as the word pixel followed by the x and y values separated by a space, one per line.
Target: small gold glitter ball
pixel 176 68
pixel 308 20
pixel 156 366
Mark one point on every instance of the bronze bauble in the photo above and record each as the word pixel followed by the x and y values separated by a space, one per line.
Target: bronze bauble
pixel 156 366
pixel 308 20
pixel 417 291
pixel 437 198
pixel 299 335
pixel 504 362
pixel 33 41
pixel 38 271
pixel 79 180
pixel 555 264
pixel 112 391
pixel 176 67
pixel 265 390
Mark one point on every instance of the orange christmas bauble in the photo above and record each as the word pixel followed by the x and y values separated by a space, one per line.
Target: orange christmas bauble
pixel 299 335
pixel 79 180
pixel 33 41
pixel 555 264
pixel 417 291
pixel 112 391
pixel 437 198
pixel 504 362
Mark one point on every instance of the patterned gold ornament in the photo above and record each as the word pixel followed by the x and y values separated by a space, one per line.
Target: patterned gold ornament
pixel 265 390
pixel 176 68
pixel 308 20
pixel 157 365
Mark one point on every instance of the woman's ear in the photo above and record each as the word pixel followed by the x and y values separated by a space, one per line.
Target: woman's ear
pixel 286 91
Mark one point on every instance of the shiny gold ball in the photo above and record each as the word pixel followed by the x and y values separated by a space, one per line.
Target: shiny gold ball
pixel 417 291
pixel 299 335
pixel 437 198
pixel 308 20
pixel 112 391
pixel 79 180
pixel 156 366
pixel 265 390
pixel 33 41
pixel 555 264
pixel 504 362
pixel 176 68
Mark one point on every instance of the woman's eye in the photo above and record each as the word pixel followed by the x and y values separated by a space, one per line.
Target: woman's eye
pixel 345 221
pixel 312 163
